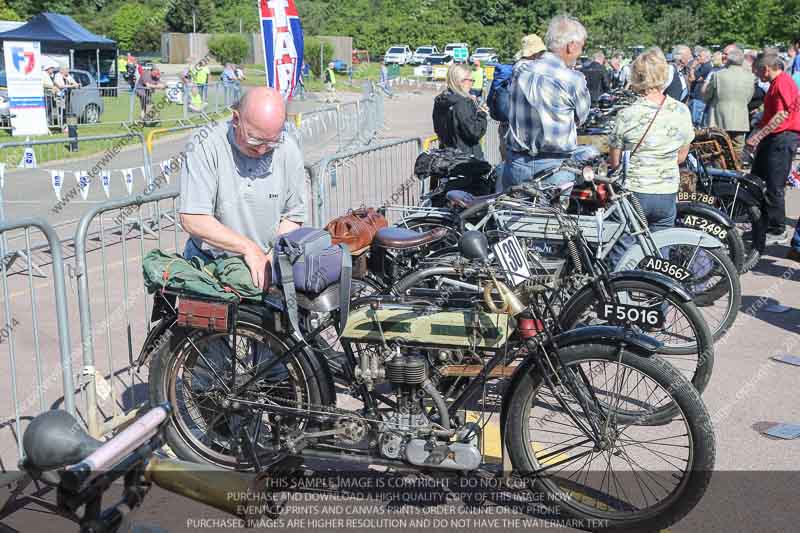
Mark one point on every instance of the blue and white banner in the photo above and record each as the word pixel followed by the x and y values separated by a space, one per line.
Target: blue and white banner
pixel 282 34
pixel 25 90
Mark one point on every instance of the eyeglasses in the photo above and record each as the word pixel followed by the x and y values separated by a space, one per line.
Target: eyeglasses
pixel 273 143
pixel 255 142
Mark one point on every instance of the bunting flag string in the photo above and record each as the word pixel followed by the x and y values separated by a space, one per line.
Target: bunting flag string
pixel 82 177
pixel 166 169
pixel 57 180
pixel 127 176
pixel 105 179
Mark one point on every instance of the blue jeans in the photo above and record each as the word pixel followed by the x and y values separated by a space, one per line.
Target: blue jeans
pixel 521 167
pixel 660 210
pixel 192 250
pixel 699 117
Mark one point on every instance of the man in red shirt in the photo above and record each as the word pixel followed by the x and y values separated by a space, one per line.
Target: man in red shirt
pixel 776 142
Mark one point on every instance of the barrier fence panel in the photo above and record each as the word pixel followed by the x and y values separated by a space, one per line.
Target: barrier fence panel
pixel 375 176
pixel 34 333
pixel 114 306
pixel 491 143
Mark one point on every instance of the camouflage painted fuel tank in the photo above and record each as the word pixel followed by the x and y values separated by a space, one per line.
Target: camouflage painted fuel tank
pixel 453 328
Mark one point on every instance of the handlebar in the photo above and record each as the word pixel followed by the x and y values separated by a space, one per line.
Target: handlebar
pixel 116 450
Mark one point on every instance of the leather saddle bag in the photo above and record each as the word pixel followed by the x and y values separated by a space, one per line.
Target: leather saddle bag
pixel 356 229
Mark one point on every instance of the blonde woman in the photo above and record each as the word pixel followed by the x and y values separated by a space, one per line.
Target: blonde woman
pixel 458 120
pixel 657 131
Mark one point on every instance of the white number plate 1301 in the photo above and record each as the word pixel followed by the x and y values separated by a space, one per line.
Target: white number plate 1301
pixel 513 259
pixel 623 315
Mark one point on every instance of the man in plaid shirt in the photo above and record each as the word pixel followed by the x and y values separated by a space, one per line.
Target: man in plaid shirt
pixel 549 99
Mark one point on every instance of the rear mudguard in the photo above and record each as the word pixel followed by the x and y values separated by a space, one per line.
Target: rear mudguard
pixel 706 211
pixel 725 181
pixel 664 238
pixel 665 283
pixel 641 345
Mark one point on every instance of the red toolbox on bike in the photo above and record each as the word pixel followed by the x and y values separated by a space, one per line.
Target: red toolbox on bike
pixel 204 314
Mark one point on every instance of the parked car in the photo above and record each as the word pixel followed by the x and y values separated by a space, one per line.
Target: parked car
pixel 398 54
pixel 439 59
pixel 422 53
pixel 484 55
pixel 448 48
pixel 86 103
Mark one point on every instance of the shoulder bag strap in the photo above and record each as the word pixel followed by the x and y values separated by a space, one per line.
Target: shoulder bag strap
pixel 647 130
pixel 289 294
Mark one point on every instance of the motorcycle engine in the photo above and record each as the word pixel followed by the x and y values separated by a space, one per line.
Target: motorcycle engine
pixel 408 431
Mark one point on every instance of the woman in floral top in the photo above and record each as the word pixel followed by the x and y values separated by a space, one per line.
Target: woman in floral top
pixel 652 174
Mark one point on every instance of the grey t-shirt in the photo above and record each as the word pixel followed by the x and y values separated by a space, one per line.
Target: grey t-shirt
pixel 248 195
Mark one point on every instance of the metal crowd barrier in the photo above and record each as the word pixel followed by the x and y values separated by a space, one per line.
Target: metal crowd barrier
pixel 378 175
pixel 34 332
pixel 346 125
pixel 114 306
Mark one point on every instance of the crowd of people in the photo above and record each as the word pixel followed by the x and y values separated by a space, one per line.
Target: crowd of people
pixel 751 95
pixel 144 80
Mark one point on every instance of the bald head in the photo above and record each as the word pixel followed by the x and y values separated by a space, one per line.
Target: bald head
pixel 260 116
pixel 263 107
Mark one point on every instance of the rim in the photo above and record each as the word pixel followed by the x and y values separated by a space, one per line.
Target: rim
pixel 92 114
pixel 195 392
pixel 638 475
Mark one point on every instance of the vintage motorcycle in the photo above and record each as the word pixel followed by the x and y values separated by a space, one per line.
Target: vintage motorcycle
pixel 250 394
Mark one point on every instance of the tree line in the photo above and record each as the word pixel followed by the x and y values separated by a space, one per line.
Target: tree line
pixel 377 24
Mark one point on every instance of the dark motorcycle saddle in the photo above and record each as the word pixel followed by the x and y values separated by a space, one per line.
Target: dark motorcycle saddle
pixel 463 199
pixel 404 239
pixel 55 439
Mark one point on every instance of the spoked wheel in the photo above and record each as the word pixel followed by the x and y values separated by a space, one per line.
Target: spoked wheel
pixel 637 476
pixel 687 341
pixel 714 284
pixel 194 374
